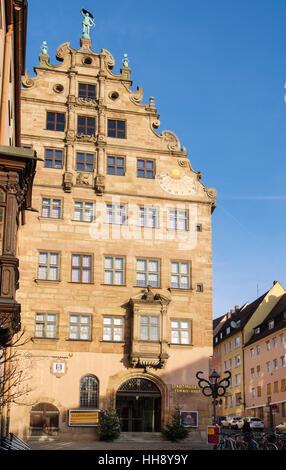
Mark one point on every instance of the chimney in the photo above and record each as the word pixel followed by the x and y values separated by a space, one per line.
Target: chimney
pixel 236 307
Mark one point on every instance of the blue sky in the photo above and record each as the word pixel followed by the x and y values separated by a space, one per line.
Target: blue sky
pixel 217 71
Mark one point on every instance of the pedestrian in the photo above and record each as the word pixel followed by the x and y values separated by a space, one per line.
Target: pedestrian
pixel 247 435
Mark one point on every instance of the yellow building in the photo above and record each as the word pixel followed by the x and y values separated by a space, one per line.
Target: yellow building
pixel 229 342
pixel 116 284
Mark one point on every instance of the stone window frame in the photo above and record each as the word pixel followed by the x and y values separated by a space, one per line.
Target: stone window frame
pixel 145 169
pixel 148 272
pixel 149 325
pixel 84 210
pixel 85 126
pixel 114 270
pixel 52 206
pixel 45 323
pixel 55 122
pixel 54 158
pixel 85 91
pixel 147 217
pixel 119 134
pixel 84 161
pixel 79 324
pixel 116 215
pixel 113 326
pixel 81 268
pixel 116 166
pixel 49 265
pixel 91 401
pixel 179 329
pixel 179 274
pixel 177 218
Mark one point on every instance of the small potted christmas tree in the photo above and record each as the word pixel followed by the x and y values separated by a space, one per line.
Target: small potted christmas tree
pixel 109 428
pixel 174 430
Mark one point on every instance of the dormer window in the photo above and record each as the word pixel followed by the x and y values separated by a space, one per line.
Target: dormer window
pixel 271 324
pixel 228 330
pixel 257 330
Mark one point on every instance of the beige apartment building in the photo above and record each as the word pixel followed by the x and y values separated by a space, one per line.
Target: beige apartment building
pixel 116 264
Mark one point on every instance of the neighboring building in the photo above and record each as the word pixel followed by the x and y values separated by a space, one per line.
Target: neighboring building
pixel 17 165
pixel 265 367
pixel 117 264
pixel 229 342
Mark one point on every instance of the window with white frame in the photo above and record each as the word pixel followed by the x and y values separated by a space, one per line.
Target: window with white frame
pixel 116 214
pixel 51 208
pixel 274 364
pixel 112 328
pixel 46 325
pixel 267 366
pixel 258 350
pixel 147 272
pixel 282 361
pixel 79 327
pixel 48 268
pixel 236 342
pixel 237 379
pixel 148 217
pixel 114 270
pixel 82 268
pixel 273 343
pixel 149 328
pixel 178 219
pixel 237 361
pixel 180 275
pixel 180 332
pixel 251 352
pixel 267 345
pixel 83 211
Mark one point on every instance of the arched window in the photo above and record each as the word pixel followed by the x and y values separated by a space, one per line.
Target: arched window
pixel 88 392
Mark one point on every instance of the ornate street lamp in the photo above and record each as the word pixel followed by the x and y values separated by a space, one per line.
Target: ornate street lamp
pixel 214 387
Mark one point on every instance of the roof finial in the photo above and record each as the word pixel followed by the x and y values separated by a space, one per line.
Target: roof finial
pixel 125 60
pixel 44 48
pixel 86 23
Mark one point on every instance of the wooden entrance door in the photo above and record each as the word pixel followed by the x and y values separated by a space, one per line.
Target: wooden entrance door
pixel 44 419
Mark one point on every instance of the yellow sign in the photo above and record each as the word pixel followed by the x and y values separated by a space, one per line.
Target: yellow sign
pixel 84 417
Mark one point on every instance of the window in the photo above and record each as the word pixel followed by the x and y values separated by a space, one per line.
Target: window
pixel 149 217
pixel 83 211
pixel 180 332
pixel 283 385
pixel 84 161
pixel 252 373
pixel 177 219
pixel 237 361
pixel 114 270
pixel 53 158
pixel 2 218
pixel 180 275
pixel 276 387
pixel 237 379
pixel 267 345
pixel 116 128
pixel 79 327
pixel 228 331
pixel 56 121
pixel 88 392
pixel 82 268
pixel 149 328
pixel 281 340
pixel 259 391
pixel 86 125
pixel 238 399
pixel 271 324
pixel 268 389
pixel 116 166
pixel 236 342
pixel 51 208
pixel 282 361
pixel 273 343
pixel 274 364
pixel 85 90
pixel 112 329
pixel 48 269
pixel 224 348
pixel 257 350
pixel 46 325
pixel 147 272
pixel 230 364
pixel 251 352
pixel 258 371
pixel 253 393
pixel 257 330
pixel 116 214
pixel 268 367
pixel 200 288
pixel 145 168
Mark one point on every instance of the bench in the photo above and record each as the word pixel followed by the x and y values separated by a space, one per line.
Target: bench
pixel 14 443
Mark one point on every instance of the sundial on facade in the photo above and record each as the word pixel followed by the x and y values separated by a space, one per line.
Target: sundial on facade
pixel 175 182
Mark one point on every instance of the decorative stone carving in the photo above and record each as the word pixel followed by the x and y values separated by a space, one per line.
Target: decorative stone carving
pixel 63 50
pixel 135 96
pixel 100 184
pixel 86 138
pixel 67 181
pixel 86 101
pixel 171 140
pixel 211 193
pixel 28 82
pixel 108 59
pixel 84 179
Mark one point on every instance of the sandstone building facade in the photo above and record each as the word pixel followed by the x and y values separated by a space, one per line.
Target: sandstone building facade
pixel 116 284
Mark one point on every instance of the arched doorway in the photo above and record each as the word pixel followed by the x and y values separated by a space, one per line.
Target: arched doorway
pixel 138 403
pixel 44 419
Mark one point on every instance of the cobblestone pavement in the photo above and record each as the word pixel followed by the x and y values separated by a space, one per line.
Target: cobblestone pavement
pixel 119 445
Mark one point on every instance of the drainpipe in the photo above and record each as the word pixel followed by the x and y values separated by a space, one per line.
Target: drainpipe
pixel 6 71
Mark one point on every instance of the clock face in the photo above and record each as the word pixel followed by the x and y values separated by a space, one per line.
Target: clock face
pixel 175 182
